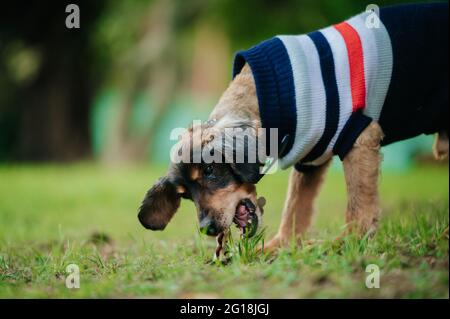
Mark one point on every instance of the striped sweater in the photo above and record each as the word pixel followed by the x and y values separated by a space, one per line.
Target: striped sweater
pixel 322 89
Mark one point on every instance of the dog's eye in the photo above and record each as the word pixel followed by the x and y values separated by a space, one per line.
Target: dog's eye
pixel 208 171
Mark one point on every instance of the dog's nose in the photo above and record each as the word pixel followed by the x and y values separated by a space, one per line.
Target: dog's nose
pixel 209 227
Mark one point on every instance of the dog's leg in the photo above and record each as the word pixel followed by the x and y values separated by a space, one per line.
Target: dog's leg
pixel 299 206
pixel 440 147
pixel 361 167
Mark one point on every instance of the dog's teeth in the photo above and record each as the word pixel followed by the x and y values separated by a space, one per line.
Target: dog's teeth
pixel 249 221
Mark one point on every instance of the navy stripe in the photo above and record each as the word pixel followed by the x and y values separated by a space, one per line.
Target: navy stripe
pixel 331 93
pixel 272 72
pixel 350 132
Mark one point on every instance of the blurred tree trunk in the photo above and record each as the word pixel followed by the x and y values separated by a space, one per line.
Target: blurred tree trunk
pixel 54 107
pixel 153 66
pixel 55 114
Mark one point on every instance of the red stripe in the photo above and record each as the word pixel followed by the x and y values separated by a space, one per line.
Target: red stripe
pixel 356 62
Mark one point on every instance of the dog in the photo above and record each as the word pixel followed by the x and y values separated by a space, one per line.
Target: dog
pixel 345 90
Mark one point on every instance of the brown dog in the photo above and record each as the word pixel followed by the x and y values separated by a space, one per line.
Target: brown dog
pixel 218 190
pixel 225 192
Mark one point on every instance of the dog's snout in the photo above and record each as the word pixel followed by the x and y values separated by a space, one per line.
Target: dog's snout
pixel 209 227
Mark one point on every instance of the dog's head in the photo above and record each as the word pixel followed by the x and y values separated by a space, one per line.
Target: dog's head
pixel 223 191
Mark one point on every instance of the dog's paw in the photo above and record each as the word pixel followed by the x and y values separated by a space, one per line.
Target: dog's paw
pixel 271 246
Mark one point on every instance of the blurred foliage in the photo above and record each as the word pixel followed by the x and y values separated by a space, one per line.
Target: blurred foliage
pixel 246 23
pixel 249 22
pixel 172 50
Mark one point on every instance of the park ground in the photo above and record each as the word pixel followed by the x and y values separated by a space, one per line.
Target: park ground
pixel 85 214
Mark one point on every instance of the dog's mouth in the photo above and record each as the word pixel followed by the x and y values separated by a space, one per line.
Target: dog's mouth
pixel 245 217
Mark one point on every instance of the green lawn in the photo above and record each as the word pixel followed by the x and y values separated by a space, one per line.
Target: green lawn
pixel 52 216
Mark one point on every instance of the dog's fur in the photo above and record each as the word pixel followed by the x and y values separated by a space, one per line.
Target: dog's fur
pixel 216 198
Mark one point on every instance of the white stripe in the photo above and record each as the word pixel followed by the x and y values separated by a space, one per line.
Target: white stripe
pixel 377 63
pixel 342 71
pixel 309 97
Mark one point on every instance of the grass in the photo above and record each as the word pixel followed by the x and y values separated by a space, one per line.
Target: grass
pixel 52 216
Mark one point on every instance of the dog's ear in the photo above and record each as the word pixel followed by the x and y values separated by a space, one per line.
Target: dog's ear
pixel 247 172
pixel 159 205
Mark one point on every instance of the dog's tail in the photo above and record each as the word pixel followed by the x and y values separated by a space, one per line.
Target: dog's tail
pixel 440 147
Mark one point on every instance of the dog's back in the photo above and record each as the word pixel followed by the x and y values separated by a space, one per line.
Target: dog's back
pixel 322 89
pixel 417 99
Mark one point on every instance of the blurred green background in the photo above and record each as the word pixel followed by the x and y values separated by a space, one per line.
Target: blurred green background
pixel 113 89
pixel 85 116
